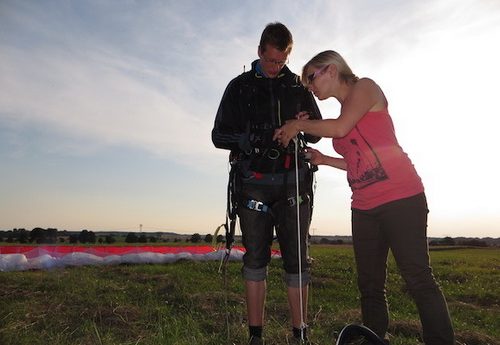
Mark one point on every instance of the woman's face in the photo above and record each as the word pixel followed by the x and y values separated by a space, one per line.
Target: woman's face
pixel 317 81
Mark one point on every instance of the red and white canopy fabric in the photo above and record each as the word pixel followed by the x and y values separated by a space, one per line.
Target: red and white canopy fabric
pixel 19 258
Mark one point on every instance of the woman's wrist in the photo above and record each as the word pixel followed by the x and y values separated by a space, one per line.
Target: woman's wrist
pixel 297 125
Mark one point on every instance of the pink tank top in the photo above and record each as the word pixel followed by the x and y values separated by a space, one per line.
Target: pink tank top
pixel 378 170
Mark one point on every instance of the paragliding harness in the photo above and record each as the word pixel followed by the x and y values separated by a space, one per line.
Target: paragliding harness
pixel 235 199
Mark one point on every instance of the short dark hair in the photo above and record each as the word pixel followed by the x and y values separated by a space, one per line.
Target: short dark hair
pixel 278 36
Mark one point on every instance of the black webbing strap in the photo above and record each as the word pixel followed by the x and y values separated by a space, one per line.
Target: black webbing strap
pixel 231 207
pixel 352 331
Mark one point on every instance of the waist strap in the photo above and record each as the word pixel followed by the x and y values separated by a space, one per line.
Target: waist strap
pixel 260 206
pixel 273 179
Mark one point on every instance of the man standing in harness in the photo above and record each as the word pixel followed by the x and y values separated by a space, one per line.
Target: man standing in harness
pixel 263 179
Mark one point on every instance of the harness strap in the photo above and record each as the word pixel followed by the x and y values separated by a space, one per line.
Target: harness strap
pixel 260 206
pixel 231 207
pixel 292 201
pixel 352 331
pixel 277 179
pixel 257 206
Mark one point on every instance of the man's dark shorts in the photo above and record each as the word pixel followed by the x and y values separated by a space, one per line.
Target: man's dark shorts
pixel 257 229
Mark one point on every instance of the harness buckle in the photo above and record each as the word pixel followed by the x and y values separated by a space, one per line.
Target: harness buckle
pixel 257 206
pixel 292 201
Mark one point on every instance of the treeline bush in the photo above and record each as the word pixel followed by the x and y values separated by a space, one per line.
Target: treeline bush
pixel 448 241
pixel 195 238
pixel 53 236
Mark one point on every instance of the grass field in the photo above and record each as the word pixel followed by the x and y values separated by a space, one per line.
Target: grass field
pixel 186 303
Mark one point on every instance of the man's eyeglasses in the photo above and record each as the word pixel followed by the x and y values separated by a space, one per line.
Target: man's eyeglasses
pixel 312 76
pixel 275 62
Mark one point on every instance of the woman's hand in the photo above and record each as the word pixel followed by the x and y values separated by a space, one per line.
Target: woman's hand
pixel 290 129
pixel 316 157
pixel 303 115
pixel 287 132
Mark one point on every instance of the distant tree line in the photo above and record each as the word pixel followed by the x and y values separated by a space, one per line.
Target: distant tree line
pixel 132 237
pixel 53 236
pixel 37 235
pixel 195 238
pixel 448 241
pixel 142 238
pixel 325 240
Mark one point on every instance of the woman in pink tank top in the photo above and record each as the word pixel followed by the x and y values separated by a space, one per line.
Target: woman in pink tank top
pixel 389 208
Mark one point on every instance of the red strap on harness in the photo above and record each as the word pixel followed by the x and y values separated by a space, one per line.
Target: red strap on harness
pixel 288 159
pixel 257 175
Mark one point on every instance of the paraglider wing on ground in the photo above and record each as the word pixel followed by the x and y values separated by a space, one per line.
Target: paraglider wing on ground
pixel 18 258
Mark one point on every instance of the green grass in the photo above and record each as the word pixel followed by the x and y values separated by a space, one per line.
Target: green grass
pixel 186 302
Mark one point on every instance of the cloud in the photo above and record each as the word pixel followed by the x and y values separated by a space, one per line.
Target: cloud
pixel 85 87
pixel 147 77
pixel 95 97
pixel 151 76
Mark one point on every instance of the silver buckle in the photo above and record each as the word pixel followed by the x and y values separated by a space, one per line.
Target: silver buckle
pixel 292 201
pixel 256 205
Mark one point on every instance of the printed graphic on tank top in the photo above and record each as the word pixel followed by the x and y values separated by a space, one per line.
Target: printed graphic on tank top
pixel 366 166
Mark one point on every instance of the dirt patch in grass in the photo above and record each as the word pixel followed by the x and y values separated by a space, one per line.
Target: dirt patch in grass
pixel 474 338
pixel 348 316
pixel 405 328
pixel 412 329
pixel 323 282
pixel 125 322
pixel 476 302
pixel 117 316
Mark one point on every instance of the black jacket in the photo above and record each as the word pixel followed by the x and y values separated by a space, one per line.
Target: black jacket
pixel 253 106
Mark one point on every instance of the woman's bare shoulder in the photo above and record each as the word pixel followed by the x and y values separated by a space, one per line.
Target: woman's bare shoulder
pixel 369 86
pixel 365 82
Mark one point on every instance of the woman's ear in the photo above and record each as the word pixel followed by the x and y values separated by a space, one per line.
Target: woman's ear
pixel 332 70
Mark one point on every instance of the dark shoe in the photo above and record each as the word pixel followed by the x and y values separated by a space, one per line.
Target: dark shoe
pixel 256 341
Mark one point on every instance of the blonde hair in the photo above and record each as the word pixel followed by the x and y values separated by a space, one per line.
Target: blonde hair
pixel 329 57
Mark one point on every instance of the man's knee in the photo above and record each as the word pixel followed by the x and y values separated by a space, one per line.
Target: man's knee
pixel 295 280
pixel 254 274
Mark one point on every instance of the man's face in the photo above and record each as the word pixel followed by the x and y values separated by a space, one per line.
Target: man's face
pixel 272 60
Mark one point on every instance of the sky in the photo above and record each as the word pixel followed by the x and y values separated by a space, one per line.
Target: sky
pixel 106 107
